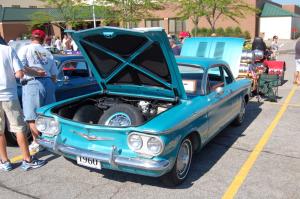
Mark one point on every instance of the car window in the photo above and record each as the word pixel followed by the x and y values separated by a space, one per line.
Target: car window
pixel 214 79
pixel 228 77
pixel 191 78
pixel 75 69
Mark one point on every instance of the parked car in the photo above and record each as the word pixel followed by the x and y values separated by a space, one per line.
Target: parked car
pixel 152 113
pixel 74 79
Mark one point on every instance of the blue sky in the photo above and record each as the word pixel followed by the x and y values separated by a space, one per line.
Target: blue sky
pixel 287 1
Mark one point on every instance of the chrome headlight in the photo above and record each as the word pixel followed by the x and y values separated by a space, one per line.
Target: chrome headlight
pixel 145 144
pixel 154 145
pixel 47 126
pixel 135 141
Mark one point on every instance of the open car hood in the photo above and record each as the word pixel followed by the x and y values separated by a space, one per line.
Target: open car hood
pixel 228 49
pixel 136 62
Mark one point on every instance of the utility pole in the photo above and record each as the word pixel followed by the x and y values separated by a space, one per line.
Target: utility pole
pixel 94 17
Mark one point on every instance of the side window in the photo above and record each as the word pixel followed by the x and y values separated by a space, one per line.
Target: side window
pixel 214 79
pixel 228 77
pixel 75 69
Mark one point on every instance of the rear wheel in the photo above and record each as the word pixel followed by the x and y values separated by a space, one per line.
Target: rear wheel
pixel 240 118
pixel 181 167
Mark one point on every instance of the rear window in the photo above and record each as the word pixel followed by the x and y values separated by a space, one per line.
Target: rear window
pixel 192 79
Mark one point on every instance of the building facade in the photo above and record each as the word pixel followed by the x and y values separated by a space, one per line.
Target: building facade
pixel 14 25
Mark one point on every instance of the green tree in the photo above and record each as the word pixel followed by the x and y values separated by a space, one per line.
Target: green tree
pixel 68 10
pixel 129 12
pixel 231 9
pixel 213 10
pixel 193 9
pixel 71 12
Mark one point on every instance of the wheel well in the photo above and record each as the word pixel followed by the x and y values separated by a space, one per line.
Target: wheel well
pixel 196 140
pixel 246 98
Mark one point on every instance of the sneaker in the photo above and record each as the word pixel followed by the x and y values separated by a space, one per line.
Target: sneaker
pixel 33 164
pixel 5 166
pixel 35 147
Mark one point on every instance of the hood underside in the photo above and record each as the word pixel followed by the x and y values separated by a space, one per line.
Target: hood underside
pixel 131 62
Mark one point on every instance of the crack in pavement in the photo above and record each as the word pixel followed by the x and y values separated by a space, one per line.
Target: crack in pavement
pixel 115 193
pixel 264 151
pixel 18 192
pixel 80 193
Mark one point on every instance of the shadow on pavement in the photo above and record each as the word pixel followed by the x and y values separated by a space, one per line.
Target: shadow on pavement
pixel 203 161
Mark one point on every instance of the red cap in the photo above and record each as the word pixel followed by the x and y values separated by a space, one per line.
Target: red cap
pixel 38 33
pixel 184 34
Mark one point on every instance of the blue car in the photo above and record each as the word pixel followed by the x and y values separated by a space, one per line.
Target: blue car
pixel 152 111
pixel 74 79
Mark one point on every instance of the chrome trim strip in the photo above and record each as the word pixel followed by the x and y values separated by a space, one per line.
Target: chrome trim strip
pixel 112 158
pixel 202 112
pixel 92 138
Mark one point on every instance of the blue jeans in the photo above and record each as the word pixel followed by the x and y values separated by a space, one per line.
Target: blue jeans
pixel 35 94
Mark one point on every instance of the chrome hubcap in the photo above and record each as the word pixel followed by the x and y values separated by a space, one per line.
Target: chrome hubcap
pixel 183 160
pixel 118 119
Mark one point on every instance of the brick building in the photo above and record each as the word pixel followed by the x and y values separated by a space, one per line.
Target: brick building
pixel 14 25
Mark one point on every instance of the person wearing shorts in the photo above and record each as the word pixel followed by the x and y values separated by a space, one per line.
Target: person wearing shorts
pixel 39 89
pixel 297 59
pixel 11 112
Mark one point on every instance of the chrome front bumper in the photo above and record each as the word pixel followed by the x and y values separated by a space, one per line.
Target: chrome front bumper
pixel 113 158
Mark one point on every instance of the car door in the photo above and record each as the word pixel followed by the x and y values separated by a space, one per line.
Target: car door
pixel 74 79
pixel 235 97
pixel 217 96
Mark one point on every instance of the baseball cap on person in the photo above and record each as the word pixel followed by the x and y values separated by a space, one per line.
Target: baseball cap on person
pixel 38 34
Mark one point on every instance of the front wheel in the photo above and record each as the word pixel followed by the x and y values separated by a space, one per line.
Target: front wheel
pixel 181 167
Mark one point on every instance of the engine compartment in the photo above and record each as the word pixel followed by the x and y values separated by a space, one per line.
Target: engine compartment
pixel 113 110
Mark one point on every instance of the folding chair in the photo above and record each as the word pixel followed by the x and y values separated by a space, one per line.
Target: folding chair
pixel 268 86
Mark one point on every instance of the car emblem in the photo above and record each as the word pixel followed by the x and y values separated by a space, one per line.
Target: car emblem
pixel 92 138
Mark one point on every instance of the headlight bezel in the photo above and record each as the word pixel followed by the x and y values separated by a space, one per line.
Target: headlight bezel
pixel 51 126
pixel 130 141
pixel 144 150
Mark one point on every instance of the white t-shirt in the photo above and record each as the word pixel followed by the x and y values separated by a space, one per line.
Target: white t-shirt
pixel 9 64
pixel 35 55
pixel 74 45
pixel 58 44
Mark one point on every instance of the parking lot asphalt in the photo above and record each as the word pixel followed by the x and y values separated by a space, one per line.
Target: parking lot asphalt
pixel 273 173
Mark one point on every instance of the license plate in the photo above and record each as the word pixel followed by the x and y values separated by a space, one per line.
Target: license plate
pixel 89 162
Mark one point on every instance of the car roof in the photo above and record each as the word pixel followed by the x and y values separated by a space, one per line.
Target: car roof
pixel 200 61
pixel 62 57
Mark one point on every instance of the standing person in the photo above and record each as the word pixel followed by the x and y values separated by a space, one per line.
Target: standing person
pixel 10 67
pixel 57 44
pixel 74 45
pixel 175 48
pixel 40 87
pixel 297 58
pixel 275 47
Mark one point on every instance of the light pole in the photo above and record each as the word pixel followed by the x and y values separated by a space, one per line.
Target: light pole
pixel 94 18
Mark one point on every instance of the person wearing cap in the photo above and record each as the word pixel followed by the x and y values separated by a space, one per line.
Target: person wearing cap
pixel 40 77
pixel 183 35
pixel 175 48
pixel 10 110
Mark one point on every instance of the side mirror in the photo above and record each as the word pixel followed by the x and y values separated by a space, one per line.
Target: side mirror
pixel 219 91
pixel 66 78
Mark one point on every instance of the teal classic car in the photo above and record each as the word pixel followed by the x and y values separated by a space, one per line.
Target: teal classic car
pixel 151 113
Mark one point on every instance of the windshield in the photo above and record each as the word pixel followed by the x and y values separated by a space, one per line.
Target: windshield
pixel 192 78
